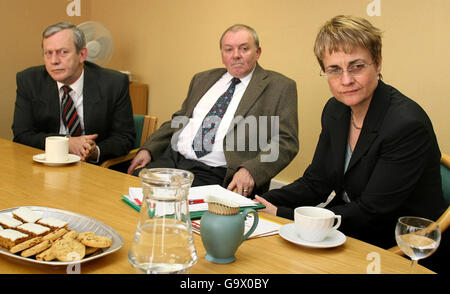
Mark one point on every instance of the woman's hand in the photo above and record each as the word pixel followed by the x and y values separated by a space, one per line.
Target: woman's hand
pixel 270 208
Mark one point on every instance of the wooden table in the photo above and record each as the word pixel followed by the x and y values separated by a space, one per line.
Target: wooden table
pixel 94 191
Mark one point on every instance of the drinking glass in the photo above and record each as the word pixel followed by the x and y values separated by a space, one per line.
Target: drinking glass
pixel 417 237
pixel 163 242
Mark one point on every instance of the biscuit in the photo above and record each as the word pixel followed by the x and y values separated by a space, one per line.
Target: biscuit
pixel 91 250
pixel 97 241
pixel 36 249
pixel 55 234
pixel 46 255
pixel 71 235
pixel 84 235
pixel 69 250
pixel 25 245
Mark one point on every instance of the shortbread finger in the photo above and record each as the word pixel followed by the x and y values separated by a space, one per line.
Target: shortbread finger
pixel 55 234
pixel 37 248
pixel 25 245
pixel 46 255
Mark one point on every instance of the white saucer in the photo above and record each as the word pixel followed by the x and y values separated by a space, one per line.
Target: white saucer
pixel 72 158
pixel 334 239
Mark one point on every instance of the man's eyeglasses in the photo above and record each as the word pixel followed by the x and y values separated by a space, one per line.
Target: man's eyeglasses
pixel 336 72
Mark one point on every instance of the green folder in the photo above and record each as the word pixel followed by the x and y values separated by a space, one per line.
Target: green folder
pixel 194 214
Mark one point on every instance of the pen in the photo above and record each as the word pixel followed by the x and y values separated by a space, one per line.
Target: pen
pixel 196 201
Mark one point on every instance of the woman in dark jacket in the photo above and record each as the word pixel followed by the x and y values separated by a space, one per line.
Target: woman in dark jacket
pixel 377 149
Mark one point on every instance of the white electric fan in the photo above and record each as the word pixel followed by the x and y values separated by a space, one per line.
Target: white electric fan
pixel 99 42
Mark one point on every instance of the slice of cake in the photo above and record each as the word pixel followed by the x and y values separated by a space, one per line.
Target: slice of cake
pixel 53 223
pixel 10 238
pixel 8 222
pixel 33 229
pixel 26 215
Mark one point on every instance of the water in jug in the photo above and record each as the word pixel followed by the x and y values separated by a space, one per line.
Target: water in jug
pixel 163 242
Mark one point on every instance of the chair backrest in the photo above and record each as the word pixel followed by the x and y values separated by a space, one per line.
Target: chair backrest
pixel 444 219
pixel 445 175
pixel 138 126
pixel 144 125
pixel 148 128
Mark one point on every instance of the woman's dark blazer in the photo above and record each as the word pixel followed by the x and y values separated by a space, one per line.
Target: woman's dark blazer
pixel 394 169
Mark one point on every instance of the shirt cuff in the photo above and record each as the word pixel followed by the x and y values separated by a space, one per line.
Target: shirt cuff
pixel 98 155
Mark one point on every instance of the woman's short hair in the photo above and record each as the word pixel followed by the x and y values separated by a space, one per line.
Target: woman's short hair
pixel 78 36
pixel 343 33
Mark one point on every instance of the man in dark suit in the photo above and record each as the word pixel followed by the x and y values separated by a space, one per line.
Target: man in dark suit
pixel 95 113
pixel 256 137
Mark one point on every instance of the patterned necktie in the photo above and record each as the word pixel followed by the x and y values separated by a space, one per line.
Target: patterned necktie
pixel 206 134
pixel 69 114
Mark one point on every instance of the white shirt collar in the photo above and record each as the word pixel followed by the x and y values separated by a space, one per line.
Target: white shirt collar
pixel 77 86
pixel 245 80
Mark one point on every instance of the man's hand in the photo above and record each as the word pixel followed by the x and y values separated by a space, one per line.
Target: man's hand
pixel 93 153
pixel 270 208
pixel 242 182
pixel 83 146
pixel 141 159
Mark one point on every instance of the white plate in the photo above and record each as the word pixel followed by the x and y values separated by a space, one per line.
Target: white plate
pixel 41 158
pixel 78 222
pixel 334 239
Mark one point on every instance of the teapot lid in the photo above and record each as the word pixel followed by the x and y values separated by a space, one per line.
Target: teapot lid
pixel 220 206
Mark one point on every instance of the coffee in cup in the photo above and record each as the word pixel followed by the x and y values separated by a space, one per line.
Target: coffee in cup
pixel 315 223
pixel 56 149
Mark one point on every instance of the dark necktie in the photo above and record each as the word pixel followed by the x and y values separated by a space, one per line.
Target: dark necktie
pixel 69 114
pixel 206 134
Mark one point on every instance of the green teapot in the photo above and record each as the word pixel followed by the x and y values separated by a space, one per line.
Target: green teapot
pixel 222 230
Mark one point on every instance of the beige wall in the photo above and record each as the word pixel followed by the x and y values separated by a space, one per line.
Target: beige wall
pixel 163 43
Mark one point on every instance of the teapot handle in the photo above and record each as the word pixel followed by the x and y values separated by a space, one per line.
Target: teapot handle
pixel 255 222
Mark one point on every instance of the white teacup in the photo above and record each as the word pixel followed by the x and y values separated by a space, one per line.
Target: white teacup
pixel 56 149
pixel 315 223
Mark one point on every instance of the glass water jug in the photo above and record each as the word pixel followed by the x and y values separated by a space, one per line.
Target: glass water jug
pixel 163 242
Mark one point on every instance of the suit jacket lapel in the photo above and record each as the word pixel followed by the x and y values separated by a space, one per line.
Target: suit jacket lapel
pixel 91 96
pixel 203 87
pixel 339 136
pixel 254 89
pixel 372 122
pixel 53 101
